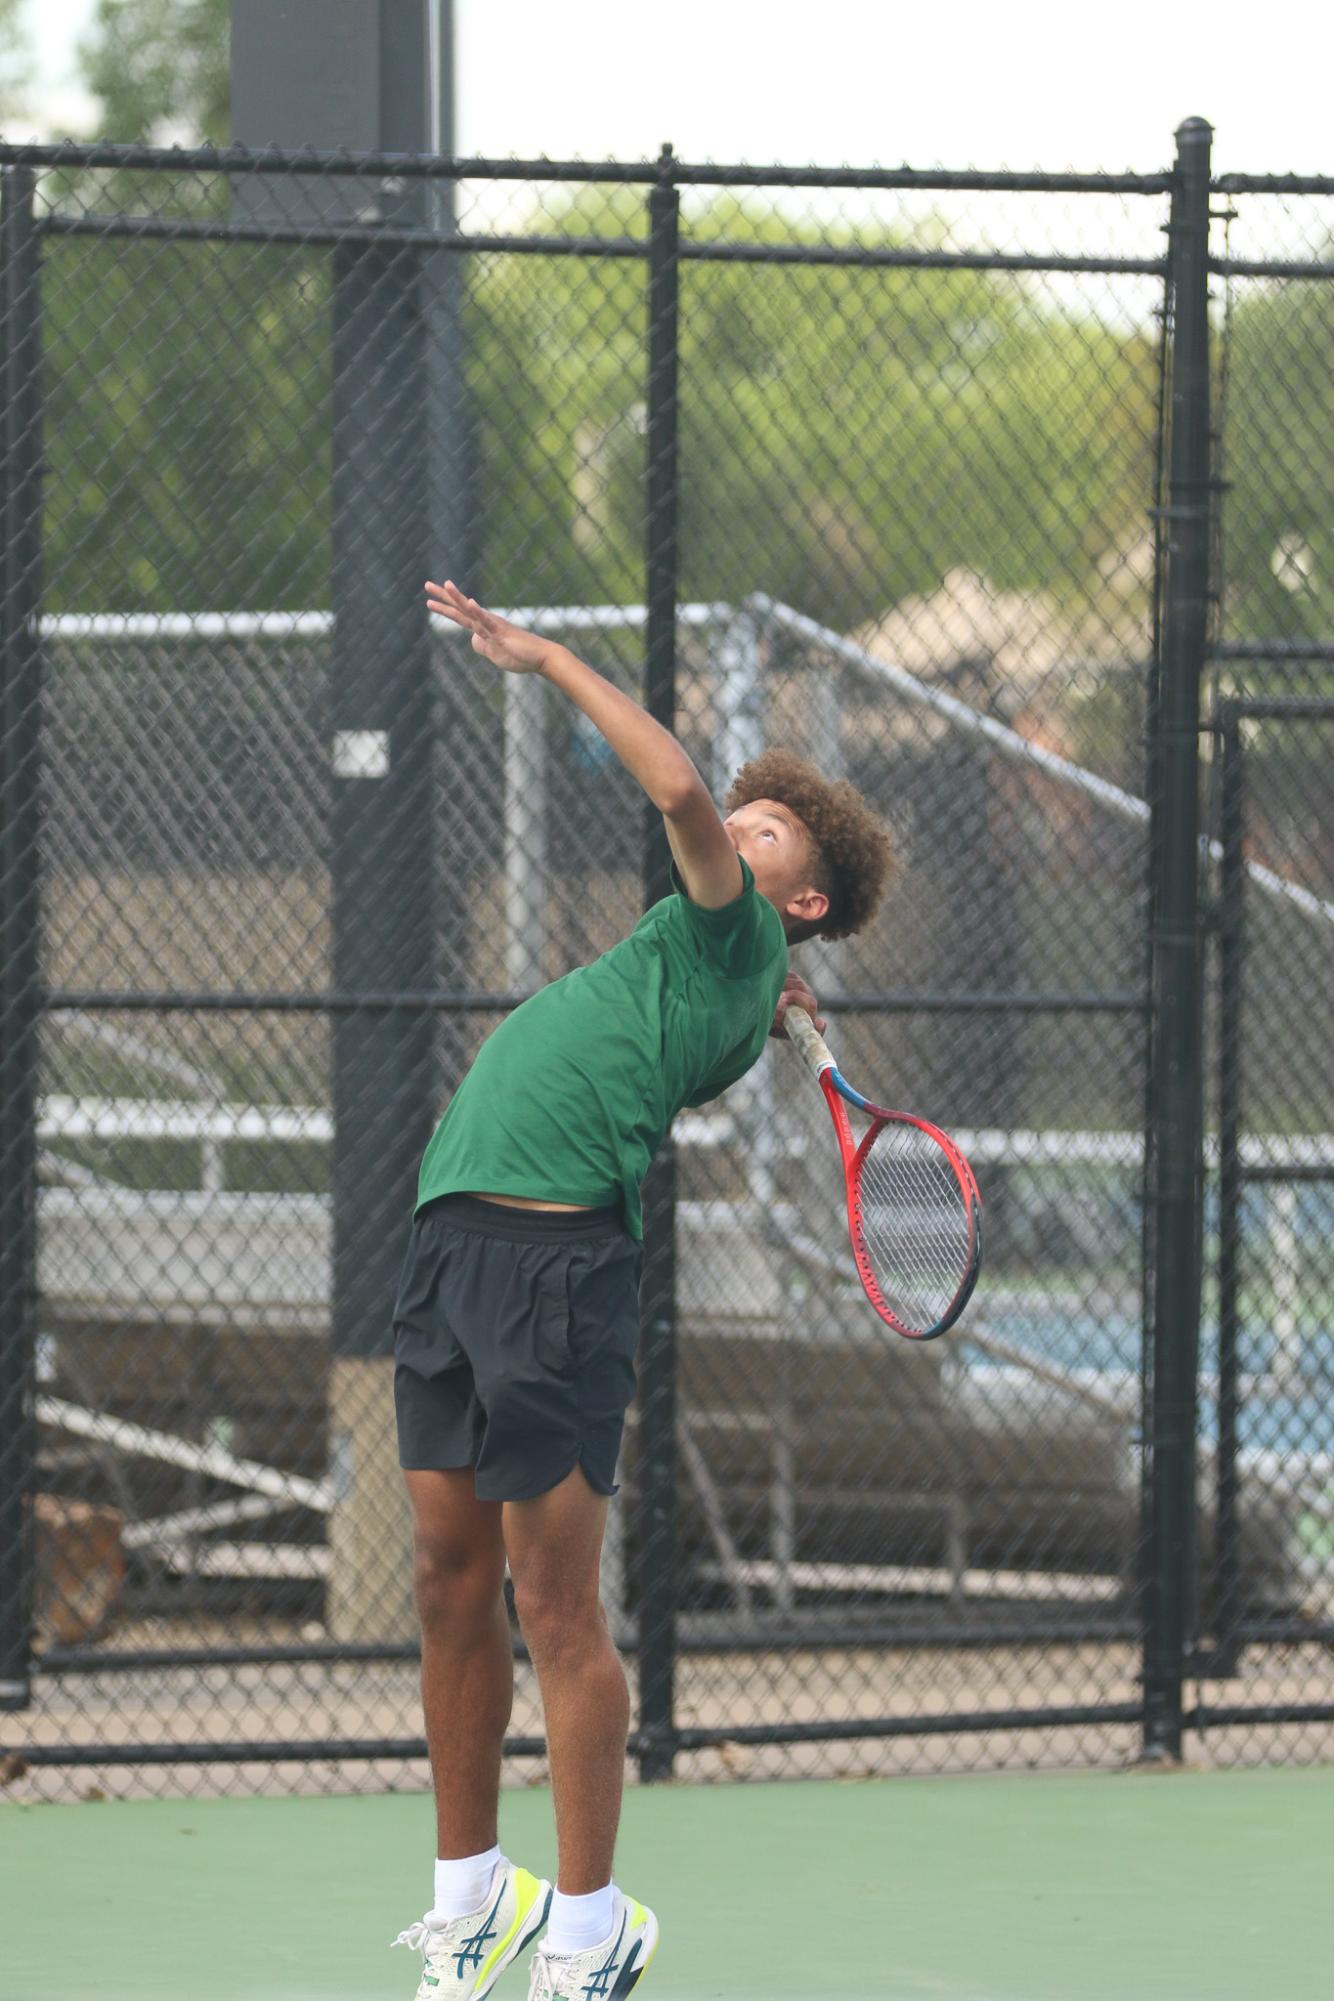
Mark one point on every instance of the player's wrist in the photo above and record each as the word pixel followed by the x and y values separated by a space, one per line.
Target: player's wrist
pixel 549 660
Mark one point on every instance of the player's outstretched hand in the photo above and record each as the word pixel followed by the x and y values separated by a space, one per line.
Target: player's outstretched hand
pixel 796 993
pixel 505 645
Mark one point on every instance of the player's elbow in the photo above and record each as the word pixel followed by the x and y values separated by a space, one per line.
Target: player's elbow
pixel 680 790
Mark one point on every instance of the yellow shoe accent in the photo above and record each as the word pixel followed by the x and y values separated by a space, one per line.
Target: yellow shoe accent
pixel 527 1889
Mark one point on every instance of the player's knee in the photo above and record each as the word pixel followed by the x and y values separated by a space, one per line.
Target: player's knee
pixel 556 1616
pixel 455 1582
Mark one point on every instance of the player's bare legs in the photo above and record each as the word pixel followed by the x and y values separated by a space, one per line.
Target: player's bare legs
pixel 554 1545
pixel 467 1657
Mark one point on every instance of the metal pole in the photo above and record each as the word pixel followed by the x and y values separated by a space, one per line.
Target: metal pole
pixel 384 912
pixel 1176 1102
pixel 452 450
pixel 1226 1567
pixel 20 691
pixel 657 1374
pixel 454 549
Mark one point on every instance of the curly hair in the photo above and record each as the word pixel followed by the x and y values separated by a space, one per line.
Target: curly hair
pixel 851 855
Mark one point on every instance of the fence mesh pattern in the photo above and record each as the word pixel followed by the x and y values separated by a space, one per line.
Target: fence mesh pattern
pixel 295 856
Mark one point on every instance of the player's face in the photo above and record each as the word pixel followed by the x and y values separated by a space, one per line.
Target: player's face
pixel 771 838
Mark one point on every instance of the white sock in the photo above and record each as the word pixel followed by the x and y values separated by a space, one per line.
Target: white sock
pixel 461 1885
pixel 576 1923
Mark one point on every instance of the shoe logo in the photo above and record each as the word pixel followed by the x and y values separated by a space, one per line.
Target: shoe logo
pixel 598 1983
pixel 472 1951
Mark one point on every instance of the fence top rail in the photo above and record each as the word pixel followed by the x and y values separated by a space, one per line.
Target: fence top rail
pixel 188 229
pixel 665 169
pixel 1239 709
pixel 1307 650
pixel 1261 267
pixel 1273 184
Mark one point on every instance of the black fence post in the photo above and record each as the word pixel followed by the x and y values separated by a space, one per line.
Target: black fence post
pixel 1177 1056
pixel 382 869
pixel 20 689
pixel 1231 898
pixel 657 1374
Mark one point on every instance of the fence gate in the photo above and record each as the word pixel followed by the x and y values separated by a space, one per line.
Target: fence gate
pixel 1271 1391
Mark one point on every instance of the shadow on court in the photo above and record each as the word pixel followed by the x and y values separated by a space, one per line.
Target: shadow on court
pixel 1194 1886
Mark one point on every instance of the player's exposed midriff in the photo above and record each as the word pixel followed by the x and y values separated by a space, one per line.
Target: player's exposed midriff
pixel 523 1202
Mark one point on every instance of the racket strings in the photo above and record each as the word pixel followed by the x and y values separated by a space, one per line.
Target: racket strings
pixel 915 1224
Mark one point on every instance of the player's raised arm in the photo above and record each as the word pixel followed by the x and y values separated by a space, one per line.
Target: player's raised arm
pixel 704 853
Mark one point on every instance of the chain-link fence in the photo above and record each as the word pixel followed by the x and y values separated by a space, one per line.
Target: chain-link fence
pixel 1267 1433
pixel 883 467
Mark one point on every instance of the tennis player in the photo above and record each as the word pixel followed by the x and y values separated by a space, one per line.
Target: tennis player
pixel 517 1315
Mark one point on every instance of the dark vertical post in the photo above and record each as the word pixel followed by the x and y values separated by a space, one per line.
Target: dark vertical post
pixel 20 682
pixel 452 446
pixel 453 544
pixel 382 853
pixel 657 1378
pixel 1227 1565
pixel 1176 1104
pixel 450 438
pixel 369 74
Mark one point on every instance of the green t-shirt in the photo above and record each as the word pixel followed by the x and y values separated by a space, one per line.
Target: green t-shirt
pixel 569 1098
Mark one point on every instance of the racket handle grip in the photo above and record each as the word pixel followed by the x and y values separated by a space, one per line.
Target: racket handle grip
pixel 807 1039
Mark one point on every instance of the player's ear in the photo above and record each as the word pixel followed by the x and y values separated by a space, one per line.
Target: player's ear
pixel 808 906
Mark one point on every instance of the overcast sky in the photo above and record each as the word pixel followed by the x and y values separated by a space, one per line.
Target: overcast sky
pixel 1033 83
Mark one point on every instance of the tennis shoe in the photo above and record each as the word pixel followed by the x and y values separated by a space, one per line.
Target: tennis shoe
pixel 463 1959
pixel 606 1972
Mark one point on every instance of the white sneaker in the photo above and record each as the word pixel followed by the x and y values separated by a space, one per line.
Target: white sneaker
pixel 463 1960
pixel 606 1972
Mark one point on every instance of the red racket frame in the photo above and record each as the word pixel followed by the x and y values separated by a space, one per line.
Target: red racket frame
pixel 853 1153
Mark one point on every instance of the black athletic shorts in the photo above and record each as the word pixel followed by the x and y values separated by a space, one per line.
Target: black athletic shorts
pixel 514 1341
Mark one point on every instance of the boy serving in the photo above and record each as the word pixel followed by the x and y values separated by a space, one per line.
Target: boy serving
pixel 517 1315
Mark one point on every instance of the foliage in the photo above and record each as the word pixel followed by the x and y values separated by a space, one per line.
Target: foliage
pixel 1279 506
pixel 847 435
pixel 187 426
pixel 15 58
pixel 160 69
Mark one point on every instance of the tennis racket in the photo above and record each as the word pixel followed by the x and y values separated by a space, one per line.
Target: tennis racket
pixel 914 1212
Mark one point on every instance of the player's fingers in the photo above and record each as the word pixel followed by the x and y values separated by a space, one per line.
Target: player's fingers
pixel 464 602
pixel 448 611
pixel 482 620
pixel 449 594
pixel 458 608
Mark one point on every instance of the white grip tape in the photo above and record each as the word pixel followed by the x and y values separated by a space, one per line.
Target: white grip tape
pixel 801 1031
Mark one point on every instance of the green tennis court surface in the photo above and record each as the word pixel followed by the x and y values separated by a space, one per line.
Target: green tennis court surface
pixel 1197 1886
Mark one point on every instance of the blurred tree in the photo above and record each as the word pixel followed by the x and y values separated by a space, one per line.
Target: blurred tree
pixel 848 435
pixel 1279 417
pixel 160 69
pixel 15 59
pixel 187 406
pixel 187 426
